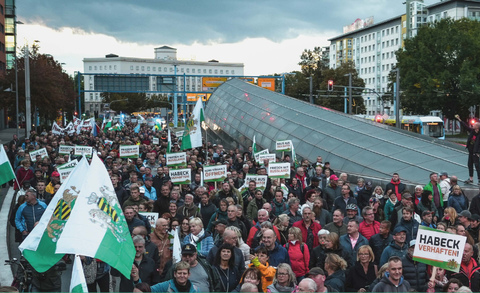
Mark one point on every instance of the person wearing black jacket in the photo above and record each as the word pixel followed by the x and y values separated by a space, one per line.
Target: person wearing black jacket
pixel 207 208
pixel 380 241
pixel 121 193
pixel 364 195
pixel 413 271
pixel 473 147
pixel 475 205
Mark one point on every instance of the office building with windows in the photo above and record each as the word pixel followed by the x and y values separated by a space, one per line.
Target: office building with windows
pixel 150 75
pixel 372 47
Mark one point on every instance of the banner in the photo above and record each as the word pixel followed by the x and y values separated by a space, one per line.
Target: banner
pixel 129 151
pixel 176 159
pixel 211 83
pixel 151 217
pixel 270 157
pixel 180 176
pixel 256 155
pixel 57 130
pixel 156 140
pixel 108 142
pixel 68 165
pixel 134 120
pixel 260 180
pixel 215 173
pixel 284 146
pixel 80 150
pixel 64 173
pixel 40 152
pixel 179 133
pixel 70 129
pixel 437 248
pixel 66 149
pixel 266 83
pixel 279 170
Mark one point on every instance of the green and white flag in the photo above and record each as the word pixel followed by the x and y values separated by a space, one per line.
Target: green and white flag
pixel 254 146
pixel 107 125
pixel 78 282
pixel 294 157
pixel 192 137
pixel 40 245
pixel 97 227
pixel 169 146
pixel 6 171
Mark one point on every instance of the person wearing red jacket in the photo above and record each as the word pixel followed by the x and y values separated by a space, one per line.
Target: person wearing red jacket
pixel 309 228
pixel 298 252
pixel 23 174
pixel 368 227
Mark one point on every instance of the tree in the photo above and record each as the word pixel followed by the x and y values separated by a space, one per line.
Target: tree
pixel 136 101
pixel 439 68
pixel 335 99
pixel 51 89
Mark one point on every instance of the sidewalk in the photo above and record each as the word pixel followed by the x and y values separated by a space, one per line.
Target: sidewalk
pixel 6 135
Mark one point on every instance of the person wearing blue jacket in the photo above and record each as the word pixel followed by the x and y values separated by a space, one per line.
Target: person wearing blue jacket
pixel 179 283
pixel 29 213
pixel 397 247
pixel 200 238
pixel 346 241
pixel 278 253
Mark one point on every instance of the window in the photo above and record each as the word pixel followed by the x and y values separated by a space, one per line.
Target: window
pixel 373 47
pixel 221 71
pixel 143 68
pixel 369 37
pixel 171 69
pixel 165 69
pixel 370 59
pixel 233 71
pixel 383 56
pixel 383 78
pixel 396 41
pixel 154 68
pixel 383 33
pixel 114 67
pixel 388 54
pixel 361 71
pixel 100 67
pixel 370 48
pixel 148 68
pixel 95 67
pixel 373 58
pixel 388 31
pixel 188 70
pixel 388 43
pixel 396 29
pixel 391 30
pixel 89 67
pixel 227 71
pixel 204 71
pixel 182 70
pixel 383 67
pixel 193 70
pixel 383 44
pixel 361 39
pixel 216 71
pixel 210 71
pixel 361 50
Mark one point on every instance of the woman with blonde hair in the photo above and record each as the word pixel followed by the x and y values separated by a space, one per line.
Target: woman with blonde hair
pixel 332 246
pixel 282 223
pixel 284 280
pixel 335 267
pixel 298 252
pixel 380 274
pixel 198 237
pixel 450 217
pixel 363 273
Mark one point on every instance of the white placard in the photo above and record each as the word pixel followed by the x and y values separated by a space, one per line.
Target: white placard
pixel 151 217
pixel 68 165
pixel 179 133
pixel 42 152
pixel 284 146
pixel 214 173
pixel 279 170
pixel 80 150
pixel 176 159
pixel 264 152
pixel 66 149
pixel 129 151
pixel 270 157
pixel 156 140
pixel 180 176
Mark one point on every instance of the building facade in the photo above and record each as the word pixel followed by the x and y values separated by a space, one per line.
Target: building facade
pixel 150 75
pixel 373 48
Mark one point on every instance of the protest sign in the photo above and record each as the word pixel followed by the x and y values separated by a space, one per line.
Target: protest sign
pixel 56 129
pixel 81 150
pixel 108 142
pixel 66 169
pixel 215 173
pixel 40 152
pixel 284 146
pixel 129 151
pixel 180 176
pixel 65 149
pixel 176 159
pixel 279 170
pixel 270 157
pixel 179 133
pixel 264 152
pixel 260 180
pixel 68 165
pixel 151 217
pixel 156 140
pixel 439 248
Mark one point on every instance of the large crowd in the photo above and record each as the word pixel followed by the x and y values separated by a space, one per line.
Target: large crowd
pixel 315 232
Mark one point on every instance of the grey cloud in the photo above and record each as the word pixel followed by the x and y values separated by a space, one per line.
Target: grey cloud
pixel 186 21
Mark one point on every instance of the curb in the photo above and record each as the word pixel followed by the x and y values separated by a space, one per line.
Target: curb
pixel 6 276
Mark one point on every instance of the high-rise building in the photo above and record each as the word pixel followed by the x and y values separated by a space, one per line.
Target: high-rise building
pixel 150 75
pixel 372 46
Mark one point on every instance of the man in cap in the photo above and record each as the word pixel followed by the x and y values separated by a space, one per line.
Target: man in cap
pixel 364 195
pixel 202 274
pixel 398 247
pixel 445 186
pixel 427 219
pixel 352 214
pixel 332 191
pixel 318 276
pixel 413 271
pixel 219 226
pixel 407 200
pixel 54 179
pixel 474 227
pixel 464 217
pixel 150 191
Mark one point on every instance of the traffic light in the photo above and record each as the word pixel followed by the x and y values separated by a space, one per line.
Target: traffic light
pixel 473 121
pixel 330 85
pixel 76 113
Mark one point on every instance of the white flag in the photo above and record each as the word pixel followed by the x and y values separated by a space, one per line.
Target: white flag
pixel 78 282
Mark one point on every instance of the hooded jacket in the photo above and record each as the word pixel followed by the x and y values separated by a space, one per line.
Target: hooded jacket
pixel 415 273
pixel 216 216
pixel 299 260
pixel 393 250
pixel 385 285
pixel 279 208
pixel 278 255
pixel 411 227
pixel 337 281
pixel 397 187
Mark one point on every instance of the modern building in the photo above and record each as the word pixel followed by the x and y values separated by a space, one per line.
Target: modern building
pixel 150 75
pixel 372 46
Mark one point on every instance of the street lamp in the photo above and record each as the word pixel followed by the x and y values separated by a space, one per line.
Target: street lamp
pixel 16 76
pixel 349 92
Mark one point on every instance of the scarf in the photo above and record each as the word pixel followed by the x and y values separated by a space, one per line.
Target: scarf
pixel 442 282
pixel 399 196
pixel 393 202
pixel 194 239
pixel 184 288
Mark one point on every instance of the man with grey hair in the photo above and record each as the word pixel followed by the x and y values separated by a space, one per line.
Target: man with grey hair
pixel 445 186
pixel 293 212
pixel 254 236
pixel 189 210
pixel 248 287
pixel 143 267
pixel 29 213
pixel 307 285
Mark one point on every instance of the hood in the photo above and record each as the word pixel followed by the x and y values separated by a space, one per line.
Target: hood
pixel 221 213
pixel 395 183
pixel 279 204
pixel 395 246
pixel 340 274
pixel 386 279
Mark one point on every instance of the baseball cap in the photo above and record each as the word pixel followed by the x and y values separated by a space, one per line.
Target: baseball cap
pixel 443 173
pixel 369 184
pixel 475 217
pixel 55 174
pixel 399 229
pixel 148 178
pixel 316 271
pixel 406 195
pixel 189 249
pixel 109 157
pixel 412 243
pixel 220 221
pixel 465 214
pixel 427 213
pixel 333 177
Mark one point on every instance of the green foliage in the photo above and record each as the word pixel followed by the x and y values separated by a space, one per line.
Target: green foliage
pixel 136 102
pixel 440 68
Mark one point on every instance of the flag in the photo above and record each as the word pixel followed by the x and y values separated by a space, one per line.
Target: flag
pixel 78 282
pixel 158 124
pixel 177 247
pixel 40 245
pixel 103 123
pixel 97 227
pixel 254 146
pixel 79 127
pixel 169 145
pixel 192 136
pixel 108 125
pixel 137 128
pixel 6 171
pixel 94 127
pixel 294 157
pixel 116 127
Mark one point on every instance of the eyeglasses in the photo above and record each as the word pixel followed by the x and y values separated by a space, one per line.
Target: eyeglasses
pixel 369 214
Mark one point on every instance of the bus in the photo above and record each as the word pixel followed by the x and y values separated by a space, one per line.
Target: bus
pixel 427 125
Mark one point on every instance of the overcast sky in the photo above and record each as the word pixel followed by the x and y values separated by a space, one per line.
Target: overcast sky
pixel 267 35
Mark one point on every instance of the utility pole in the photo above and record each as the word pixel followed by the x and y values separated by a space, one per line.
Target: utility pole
pixel 350 99
pixel 397 99
pixel 311 89
pixel 28 118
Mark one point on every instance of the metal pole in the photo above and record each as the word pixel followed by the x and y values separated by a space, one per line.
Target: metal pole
pixel 16 81
pixel 350 99
pixel 79 95
pixel 28 118
pixel 283 84
pixel 311 89
pixel 345 100
pixel 184 99
pixel 397 93
pixel 175 101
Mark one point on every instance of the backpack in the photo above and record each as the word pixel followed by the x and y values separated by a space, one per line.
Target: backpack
pixel 301 247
